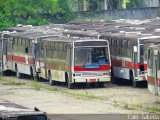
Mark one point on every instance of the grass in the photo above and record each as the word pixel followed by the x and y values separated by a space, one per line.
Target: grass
pixel 137 105
pixel 133 106
pixel 153 109
pixel 36 85
pixel 80 95
pixel 13 83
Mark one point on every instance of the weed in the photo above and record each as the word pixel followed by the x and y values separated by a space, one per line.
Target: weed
pixel 13 83
pixel 51 88
pixel 137 105
pixel 153 109
pixel 128 107
pixel 36 85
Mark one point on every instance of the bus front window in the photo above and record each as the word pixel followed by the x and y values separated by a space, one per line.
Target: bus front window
pixel 91 56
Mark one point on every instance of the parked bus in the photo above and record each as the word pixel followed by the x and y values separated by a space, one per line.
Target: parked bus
pixel 18 52
pixel 73 60
pixel 153 69
pixel 129 55
pixel 18 47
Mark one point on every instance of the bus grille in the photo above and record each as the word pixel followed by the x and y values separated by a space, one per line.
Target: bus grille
pixel 91 74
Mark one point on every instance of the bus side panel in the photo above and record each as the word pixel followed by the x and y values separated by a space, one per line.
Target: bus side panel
pixel 58 75
pixel 122 67
pixel 121 72
pixel 24 68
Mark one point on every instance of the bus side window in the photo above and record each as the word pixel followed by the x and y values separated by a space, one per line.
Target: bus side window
pixel 26 49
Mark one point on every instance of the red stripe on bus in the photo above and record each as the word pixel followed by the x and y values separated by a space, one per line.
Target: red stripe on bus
pixel 30 60
pixel 82 68
pixel 20 59
pixel 127 64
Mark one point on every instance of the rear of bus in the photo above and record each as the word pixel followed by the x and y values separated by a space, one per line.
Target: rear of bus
pixel 91 62
pixel 142 65
pixel 144 43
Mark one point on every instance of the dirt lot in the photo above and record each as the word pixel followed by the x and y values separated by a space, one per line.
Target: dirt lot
pixel 59 99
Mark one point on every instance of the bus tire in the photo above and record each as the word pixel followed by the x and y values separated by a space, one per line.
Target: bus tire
pixel 113 79
pixel 134 83
pixel 32 76
pixel 101 85
pixel 51 82
pixel 69 85
pixel 18 74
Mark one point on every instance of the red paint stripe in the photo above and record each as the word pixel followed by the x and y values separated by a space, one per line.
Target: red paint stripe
pixel 127 64
pixel 102 67
pixel 30 61
pixel 20 59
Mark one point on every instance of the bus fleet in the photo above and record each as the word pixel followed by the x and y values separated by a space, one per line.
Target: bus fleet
pixel 84 52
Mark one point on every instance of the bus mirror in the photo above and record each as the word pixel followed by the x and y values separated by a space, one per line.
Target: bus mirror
pixel 155 52
pixel 26 50
pixel 135 48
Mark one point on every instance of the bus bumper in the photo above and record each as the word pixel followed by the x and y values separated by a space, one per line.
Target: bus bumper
pixel 91 79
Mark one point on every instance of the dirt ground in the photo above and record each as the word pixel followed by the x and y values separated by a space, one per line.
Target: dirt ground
pixel 123 99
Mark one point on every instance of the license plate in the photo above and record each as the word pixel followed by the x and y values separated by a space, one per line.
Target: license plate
pixel 92 80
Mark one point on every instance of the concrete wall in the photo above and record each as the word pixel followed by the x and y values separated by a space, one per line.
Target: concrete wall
pixel 139 13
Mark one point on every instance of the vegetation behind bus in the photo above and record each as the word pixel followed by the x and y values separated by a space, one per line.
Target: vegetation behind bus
pixel 32 12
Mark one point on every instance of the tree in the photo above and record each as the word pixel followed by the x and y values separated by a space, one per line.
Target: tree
pixel 36 12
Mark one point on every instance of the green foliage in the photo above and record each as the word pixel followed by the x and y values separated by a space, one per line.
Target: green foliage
pixel 64 15
pixel 35 12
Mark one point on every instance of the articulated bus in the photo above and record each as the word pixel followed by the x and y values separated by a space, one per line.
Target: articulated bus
pixel 73 60
pixel 129 55
pixel 153 69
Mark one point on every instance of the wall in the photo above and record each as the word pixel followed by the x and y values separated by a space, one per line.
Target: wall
pixel 138 13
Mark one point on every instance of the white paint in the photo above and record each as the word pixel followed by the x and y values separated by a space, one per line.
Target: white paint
pixel 23 68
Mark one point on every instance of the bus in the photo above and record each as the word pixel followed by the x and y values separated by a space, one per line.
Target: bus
pixel 73 60
pixel 153 69
pixel 18 52
pixel 18 47
pixel 129 55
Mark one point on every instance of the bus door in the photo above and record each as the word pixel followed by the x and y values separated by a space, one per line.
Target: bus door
pixel 45 61
pixel 3 52
pixel 34 57
pixel 155 70
pixel 135 60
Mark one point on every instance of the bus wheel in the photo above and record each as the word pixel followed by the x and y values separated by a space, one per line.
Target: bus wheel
pixel 32 76
pixel 134 83
pixel 101 85
pixel 51 82
pixel 113 79
pixel 18 75
pixel 69 85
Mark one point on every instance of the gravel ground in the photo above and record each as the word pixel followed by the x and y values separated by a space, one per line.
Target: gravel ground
pixel 59 100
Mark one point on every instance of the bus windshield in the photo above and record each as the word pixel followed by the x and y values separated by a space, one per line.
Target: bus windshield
pixel 91 56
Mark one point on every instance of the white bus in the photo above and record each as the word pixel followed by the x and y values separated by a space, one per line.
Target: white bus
pixel 73 60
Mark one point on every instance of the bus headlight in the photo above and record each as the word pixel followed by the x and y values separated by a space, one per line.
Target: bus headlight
pixel 77 74
pixel 105 73
pixel 108 73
